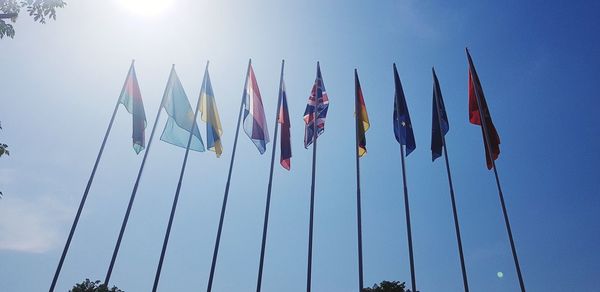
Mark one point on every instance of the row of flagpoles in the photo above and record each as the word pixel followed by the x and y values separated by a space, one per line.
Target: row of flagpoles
pixel 181 130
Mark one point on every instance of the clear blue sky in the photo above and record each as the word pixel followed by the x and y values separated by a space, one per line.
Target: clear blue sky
pixel 538 62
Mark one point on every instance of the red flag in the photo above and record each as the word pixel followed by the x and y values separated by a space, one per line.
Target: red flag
pixel 492 140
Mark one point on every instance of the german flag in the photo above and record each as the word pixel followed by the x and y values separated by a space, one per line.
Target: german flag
pixel 362 118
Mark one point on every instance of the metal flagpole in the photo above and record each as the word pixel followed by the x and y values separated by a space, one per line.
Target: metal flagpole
pixel 84 197
pixel 490 155
pixel 358 202
pixel 224 207
pixel 408 228
pixel 407 210
pixel 452 197
pixel 268 203
pixel 176 198
pixel 133 192
pixel 312 190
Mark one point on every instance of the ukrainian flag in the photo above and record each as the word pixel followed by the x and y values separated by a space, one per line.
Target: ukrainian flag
pixel 210 115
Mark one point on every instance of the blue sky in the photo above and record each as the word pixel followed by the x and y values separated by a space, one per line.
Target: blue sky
pixel 538 64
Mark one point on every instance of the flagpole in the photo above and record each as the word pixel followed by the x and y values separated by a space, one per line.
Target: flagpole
pixel 133 193
pixel 500 194
pixel 268 202
pixel 312 191
pixel 176 198
pixel 408 228
pixel 406 205
pixel 452 196
pixel 226 194
pixel 84 197
pixel 358 201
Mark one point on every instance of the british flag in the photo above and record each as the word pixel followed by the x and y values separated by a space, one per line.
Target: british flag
pixel 318 103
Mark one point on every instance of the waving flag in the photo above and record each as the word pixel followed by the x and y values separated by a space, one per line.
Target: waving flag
pixel 318 103
pixel 439 118
pixel 210 115
pixel 255 123
pixel 284 120
pixel 181 117
pixel 475 114
pixel 361 116
pixel 131 99
pixel 402 125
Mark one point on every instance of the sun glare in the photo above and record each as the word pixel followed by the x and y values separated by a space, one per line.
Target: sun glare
pixel 145 7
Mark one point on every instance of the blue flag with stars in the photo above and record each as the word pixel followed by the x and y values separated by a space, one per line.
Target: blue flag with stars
pixel 439 125
pixel 402 126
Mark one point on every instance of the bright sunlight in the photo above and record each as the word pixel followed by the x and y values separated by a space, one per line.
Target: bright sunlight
pixel 145 7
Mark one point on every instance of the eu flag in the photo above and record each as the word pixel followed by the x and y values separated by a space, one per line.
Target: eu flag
pixel 402 125
pixel 439 123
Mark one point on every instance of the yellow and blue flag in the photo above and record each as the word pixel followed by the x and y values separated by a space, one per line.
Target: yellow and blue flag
pixel 181 116
pixel 210 115
pixel 131 99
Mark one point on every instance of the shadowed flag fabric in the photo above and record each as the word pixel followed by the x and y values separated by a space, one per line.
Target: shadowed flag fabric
pixel 318 102
pixel 131 99
pixel 284 119
pixel 181 117
pixel 402 124
pixel 438 119
pixel 362 116
pixel 210 115
pixel 475 92
pixel 255 123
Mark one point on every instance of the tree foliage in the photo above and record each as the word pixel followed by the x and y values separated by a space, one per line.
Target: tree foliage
pixel 89 286
pixel 387 286
pixel 40 10
pixel 3 147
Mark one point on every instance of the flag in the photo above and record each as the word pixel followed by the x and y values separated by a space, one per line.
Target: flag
pixel 131 99
pixel 181 116
pixel 439 118
pixel 361 116
pixel 255 123
pixel 210 115
pixel 402 125
pixel 475 114
pixel 318 103
pixel 284 119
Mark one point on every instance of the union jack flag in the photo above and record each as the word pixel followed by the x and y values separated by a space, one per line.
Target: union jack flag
pixel 318 103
